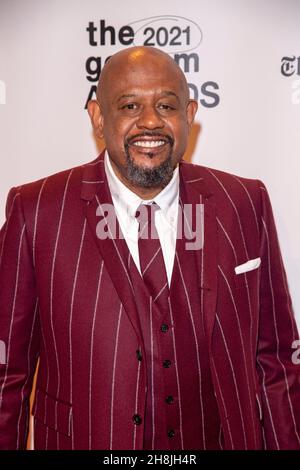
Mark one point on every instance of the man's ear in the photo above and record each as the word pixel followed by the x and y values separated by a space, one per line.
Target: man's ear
pixel 191 111
pixel 96 117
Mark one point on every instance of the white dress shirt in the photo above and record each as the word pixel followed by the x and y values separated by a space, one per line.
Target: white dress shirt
pixel 126 203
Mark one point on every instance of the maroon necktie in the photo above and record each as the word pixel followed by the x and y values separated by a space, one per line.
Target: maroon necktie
pixel 152 263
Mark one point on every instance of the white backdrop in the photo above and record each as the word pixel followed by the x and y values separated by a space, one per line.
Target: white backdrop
pixel 248 121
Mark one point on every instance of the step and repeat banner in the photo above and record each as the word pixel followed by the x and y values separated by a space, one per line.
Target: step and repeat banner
pixel 241 60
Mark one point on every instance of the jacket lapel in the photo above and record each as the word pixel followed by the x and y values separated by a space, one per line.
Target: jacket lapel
pixel 113 249
pixel 196 191
pixel 115 253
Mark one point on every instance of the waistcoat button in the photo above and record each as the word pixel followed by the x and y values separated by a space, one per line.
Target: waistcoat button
pixel 169 400
pixel 137 419
pixel 164 328
pixel 139 355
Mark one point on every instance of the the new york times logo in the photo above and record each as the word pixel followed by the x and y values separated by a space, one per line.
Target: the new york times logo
pixel 180 37
pixel 290 67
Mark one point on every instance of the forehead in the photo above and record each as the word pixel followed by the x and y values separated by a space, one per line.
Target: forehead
pixel 143 78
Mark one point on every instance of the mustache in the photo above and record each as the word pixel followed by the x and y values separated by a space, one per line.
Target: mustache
pixel 166 137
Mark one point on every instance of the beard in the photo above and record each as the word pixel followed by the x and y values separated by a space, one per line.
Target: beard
pixel 157 177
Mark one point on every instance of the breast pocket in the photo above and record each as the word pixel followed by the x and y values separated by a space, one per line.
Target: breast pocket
pixel 248 277
pixel 53 413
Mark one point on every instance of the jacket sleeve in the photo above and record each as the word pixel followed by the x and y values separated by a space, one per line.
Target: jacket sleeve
pixel 278 371
pixel 19 329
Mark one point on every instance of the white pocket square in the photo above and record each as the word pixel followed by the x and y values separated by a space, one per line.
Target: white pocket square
pixel 248 266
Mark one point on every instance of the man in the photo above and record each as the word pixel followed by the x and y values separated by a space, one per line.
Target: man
pixel 178 340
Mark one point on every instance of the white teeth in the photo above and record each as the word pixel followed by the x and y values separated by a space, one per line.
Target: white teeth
pixel 148 143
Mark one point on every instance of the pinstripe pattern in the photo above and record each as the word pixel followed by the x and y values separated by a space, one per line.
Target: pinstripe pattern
pixel 194 181
pixel 136 399
pixel 15 290
pixel 277 335
pixel 284 280
pixel 86 325
pixel 98 162
pixel 177 378
pixel 240 335
pixel 113 381
pixel 235 381
pixel 151 260
pixel 160 292
pixel 268 405
pixel 93 182
pixel 36 218
pixel 6 225
pixel 197 350
pixel 202 272
pixel 185 366
pixel 288 309
pixel 223 406
pixel 235 209
pixel 71 317
pixel 250 199
pixel 116 247
pixel 47 381
pixel 152 373
pixel 250 311
pixel 91 357
pixel 29 373
pixel 228 285
pixel 245 277
pixel 51 297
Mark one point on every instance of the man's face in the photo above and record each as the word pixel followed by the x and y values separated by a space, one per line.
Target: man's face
pixel 145 115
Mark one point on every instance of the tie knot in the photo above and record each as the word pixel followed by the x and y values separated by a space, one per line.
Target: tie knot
pixel 145 217
pixel 145 212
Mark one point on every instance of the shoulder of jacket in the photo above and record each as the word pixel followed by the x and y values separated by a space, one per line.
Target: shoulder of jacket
pixel 219 178
pixel 54 184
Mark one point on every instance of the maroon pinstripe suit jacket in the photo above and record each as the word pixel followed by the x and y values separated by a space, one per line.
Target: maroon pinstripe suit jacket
pixel 65 298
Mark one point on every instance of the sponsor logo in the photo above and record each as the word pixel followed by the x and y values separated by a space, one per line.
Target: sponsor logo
pixel 290 67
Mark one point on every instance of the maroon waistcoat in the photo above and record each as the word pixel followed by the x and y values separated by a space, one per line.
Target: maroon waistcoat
pixel 181 409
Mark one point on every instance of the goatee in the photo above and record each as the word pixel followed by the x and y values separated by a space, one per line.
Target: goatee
pixel 157 177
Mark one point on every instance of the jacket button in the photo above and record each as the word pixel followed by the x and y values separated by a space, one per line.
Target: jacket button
pixel 169 400
pixel 139 355
pixel 171 433
pixel 167 363
pixel 164 328
pixel 137 419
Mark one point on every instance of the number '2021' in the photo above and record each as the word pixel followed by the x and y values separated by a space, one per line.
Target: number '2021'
pixel 162 36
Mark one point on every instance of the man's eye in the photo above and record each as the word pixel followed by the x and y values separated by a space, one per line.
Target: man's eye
pixel 165 106
pixel 129 106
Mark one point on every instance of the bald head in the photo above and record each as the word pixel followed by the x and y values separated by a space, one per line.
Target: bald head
pixel 134 58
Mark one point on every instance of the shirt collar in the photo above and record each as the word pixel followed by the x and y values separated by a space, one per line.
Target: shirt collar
pixel 131 201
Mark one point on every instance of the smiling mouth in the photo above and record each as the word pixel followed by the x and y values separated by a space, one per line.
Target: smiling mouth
pixel 149 143
pixel 146 142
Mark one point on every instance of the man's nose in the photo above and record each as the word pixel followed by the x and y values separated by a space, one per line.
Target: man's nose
pixel 150 119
